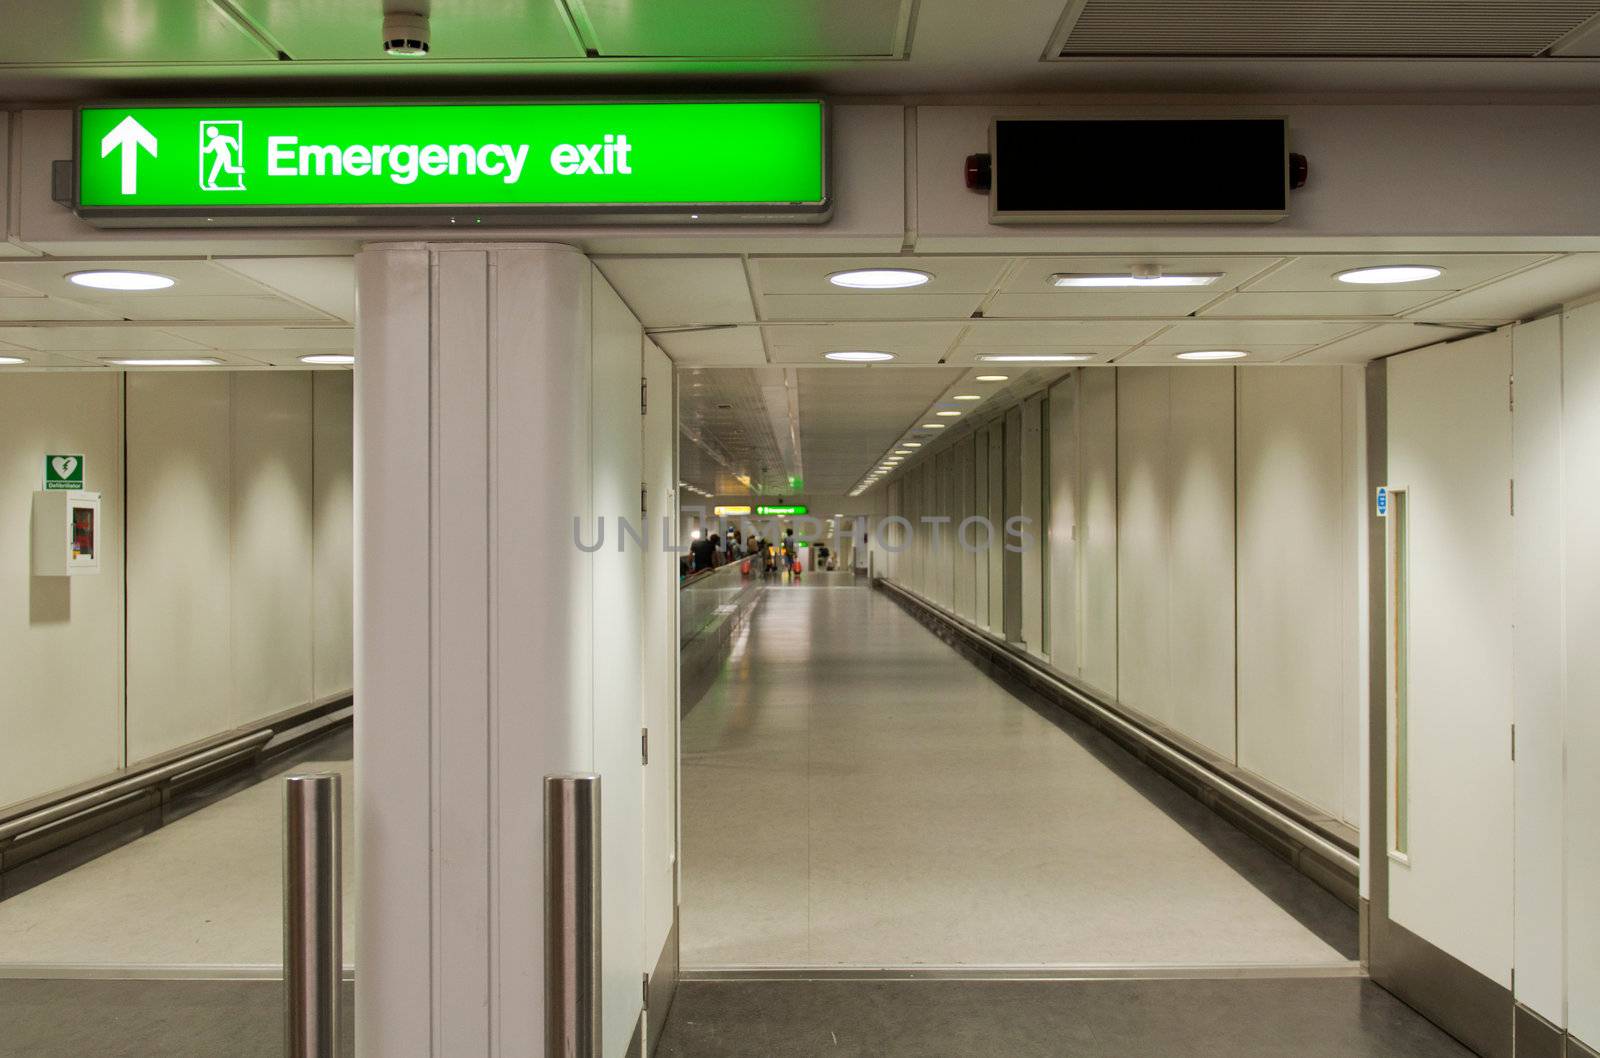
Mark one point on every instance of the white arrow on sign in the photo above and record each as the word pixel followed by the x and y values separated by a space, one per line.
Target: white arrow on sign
pixel 129 135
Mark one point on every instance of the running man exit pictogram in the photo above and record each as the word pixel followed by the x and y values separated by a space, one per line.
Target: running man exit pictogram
pixel 222 155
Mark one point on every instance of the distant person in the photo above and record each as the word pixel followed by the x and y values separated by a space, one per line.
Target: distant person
pixel 716 550
pixel 791 551
pixel 702 554
pixel 735 548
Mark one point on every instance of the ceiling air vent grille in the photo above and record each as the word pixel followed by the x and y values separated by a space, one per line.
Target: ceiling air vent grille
pixel 1322 28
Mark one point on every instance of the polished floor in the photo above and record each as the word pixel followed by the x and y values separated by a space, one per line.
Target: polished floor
pixel 857 794
pixel 201 896
pixel 1317 1018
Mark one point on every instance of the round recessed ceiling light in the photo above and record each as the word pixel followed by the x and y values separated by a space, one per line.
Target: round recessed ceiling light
pixel 1214 354
pixel 993 378
pixel 7 361
pixel 328 358
pixel 967 396
pixel 858 357
pixel 947 414
pixel 1390 274
pixel 879 278
pixel 121 280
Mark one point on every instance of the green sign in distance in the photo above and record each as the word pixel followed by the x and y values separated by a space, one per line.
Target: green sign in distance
pixel 63 473
pixel 232 159
pixel 797 509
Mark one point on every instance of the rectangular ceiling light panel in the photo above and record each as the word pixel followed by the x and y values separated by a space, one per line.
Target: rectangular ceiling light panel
pixel 1323 28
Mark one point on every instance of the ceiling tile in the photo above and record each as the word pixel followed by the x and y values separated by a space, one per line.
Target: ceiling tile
pixel 1065 304
pixel 326 283
pixel 287 339
pixel 49 276
pixel 111 338
pixel 1244 334
pixel 1317 272
pixel 1167 355
pixel 885 305
pixel 37 361
pixel 988 332
pixel 109 32
pixel 684 291
pixel 263 307
pixel 740 29
pixel 1351 301
pixel 911 342
pixel 1383 340
pixel 724 347
pixel 809 275
pixel 43 308
pixel 1524 295
pixel 483 29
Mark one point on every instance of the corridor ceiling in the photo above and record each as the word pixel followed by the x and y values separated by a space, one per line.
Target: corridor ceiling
pixel 149 48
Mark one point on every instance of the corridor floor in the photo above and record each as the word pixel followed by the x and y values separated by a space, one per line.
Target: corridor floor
pixel 202 896
pixel 857 794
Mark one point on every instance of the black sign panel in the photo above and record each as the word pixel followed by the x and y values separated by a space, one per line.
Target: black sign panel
pixel 1172 170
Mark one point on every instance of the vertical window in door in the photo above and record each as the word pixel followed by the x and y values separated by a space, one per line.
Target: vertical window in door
pixel 1399 606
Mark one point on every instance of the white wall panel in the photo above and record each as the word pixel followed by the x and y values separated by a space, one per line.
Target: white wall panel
pixel 1032 508
pixel 942 535
pixel 980 509
pixel 1538 704
pixel 1581 421
pixel 1175 549
pixel 1201 555
pixel 60 637
pixel 1354 628
pixel 994 440
pixel 965 558
pixel 1291 579
pixel 1098 528
pixel 1063 538
pixel 333 532
pixel 272 523
pixel 180 595
pixel 618 585
pixel 1450 448
pixel 1143 513
pixel 659 657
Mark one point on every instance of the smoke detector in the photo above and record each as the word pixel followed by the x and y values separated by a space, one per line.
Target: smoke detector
pixel 405 33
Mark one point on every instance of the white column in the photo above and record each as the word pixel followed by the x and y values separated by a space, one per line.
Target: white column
pixel 476 624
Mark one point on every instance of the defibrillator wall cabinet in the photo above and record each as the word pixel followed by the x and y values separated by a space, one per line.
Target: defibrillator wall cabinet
pixel 66 533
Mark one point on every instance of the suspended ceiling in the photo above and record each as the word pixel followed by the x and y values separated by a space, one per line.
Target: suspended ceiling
pixel 122 48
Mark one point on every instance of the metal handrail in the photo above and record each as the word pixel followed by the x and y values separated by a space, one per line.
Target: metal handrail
pixel 83 802
pixel 1229 790
pixel 313 923
pixel 572 1025
pixel 27 817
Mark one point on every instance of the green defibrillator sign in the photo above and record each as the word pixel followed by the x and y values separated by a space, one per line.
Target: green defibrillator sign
pixel 376 163
pixel 63 473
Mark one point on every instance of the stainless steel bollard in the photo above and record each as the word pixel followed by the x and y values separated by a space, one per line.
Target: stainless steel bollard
pixel 572 1026
pixel 313 928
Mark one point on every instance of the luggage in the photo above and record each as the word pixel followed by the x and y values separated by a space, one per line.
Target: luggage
pixel 744 568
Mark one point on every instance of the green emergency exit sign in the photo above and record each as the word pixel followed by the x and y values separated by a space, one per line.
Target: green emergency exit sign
pixel 386 161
